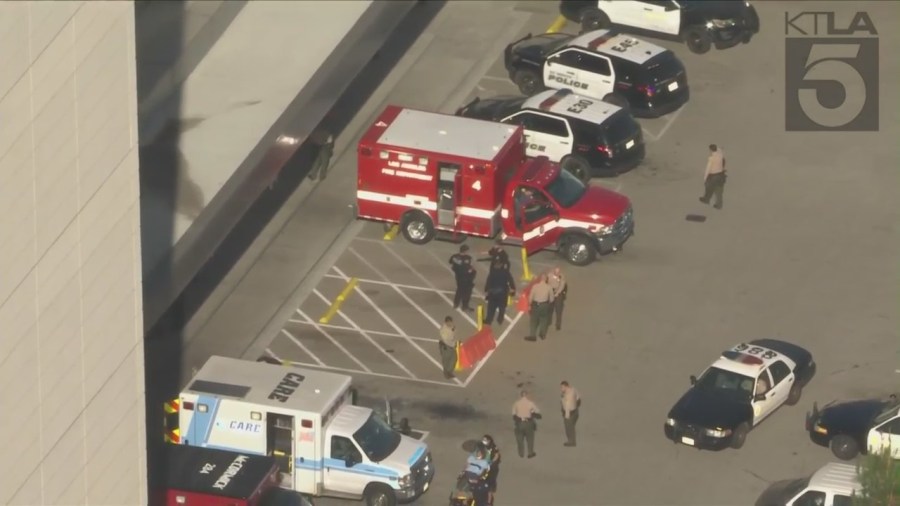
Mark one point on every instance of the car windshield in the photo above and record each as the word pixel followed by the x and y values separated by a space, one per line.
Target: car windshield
pixel 377 439
pixel 619 127
pixel 795 486
pixel 566 189
pixel 731 383
pixel 552 44
pixel 661 68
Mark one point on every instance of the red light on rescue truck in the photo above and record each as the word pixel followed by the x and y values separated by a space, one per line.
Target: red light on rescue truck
pixel 306 424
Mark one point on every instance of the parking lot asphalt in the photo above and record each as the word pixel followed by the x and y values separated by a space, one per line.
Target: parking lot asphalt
pixel 805 250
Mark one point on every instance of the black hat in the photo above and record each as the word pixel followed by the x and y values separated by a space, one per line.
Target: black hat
pixel 464 248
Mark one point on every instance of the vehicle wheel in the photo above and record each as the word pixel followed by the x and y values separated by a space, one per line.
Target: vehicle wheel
pixel 528 81
pixel 578 167
pixel 417 227
pixel 593 19
pixel 739 436
pixel 379 495
pixel 617 100
pixel 794 395
pixel 844 447
pixel 577 250
pixel 697 40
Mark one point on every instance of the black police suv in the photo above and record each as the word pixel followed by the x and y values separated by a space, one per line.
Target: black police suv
pixel 700 24
pixel 647 79
pixel 845 427
pixel 739 390
pixel 588 137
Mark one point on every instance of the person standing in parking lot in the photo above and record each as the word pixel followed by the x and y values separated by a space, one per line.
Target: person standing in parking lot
pixel 447 347
pixel 571 401
pixel 557 282
pixel 464 272
pixel 497 289
pixel 324 142
pixel 524 413
pixel 541 299
pixel 714 177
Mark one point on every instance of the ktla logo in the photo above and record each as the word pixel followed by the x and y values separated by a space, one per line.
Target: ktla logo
pixel 831 73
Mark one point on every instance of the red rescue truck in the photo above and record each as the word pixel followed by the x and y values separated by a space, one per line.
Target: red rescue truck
pixel 448 176
pixel 206 477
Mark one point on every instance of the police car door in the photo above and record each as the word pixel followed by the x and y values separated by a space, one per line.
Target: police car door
pixel 584 73
pixel 885 436
pixel 545 135
pixel 764 402
pixel 662 16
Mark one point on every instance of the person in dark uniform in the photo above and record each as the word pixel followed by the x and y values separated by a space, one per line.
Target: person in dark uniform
pixel 324 141
pixel 494 470
pixel 496 253
pixel 497 289
pixel 464 271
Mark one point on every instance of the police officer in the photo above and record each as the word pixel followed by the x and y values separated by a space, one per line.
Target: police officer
pixel 524 413
pixel 541 300
pixel 497 289
pixel 447 347
pixel 497 253
pixel 714 177
pixel 464 271
pixel 323 139
pixel 571 401
pixel 557 282
pixel 494 471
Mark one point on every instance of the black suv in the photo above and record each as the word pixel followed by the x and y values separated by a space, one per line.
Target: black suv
pixel 634 74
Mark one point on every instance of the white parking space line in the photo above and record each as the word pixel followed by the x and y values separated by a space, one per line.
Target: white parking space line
pixel 670 122
pixel 425 280
pixel 369 338
pixel 399 291
pixel 488 356
pixel 300 345
pixel 495 79
pixel 354 371
pixel 393 324
pixel 372 332
pixel 332 339
pixel 388 283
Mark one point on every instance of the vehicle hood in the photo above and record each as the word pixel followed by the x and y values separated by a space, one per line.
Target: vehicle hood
pixel 537 47
pixel 408 452
pixel 714 9
pixel 491 109
pixel 598 205
pixel 709 409
pixel 776 494
pixel 851 416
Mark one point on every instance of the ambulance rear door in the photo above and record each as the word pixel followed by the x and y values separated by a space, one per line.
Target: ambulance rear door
pixel 448 195
pixel 308 453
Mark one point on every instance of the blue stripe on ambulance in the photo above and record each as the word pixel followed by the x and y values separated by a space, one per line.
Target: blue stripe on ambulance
pixel 366 469
pixel 416 456
pixel 201 423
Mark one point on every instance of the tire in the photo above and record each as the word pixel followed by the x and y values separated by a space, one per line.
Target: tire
pixel 844 447
pixel 379 495
pixel 577 250
pixel 617 100
pixel 417 227
pixel 794 395
pixel 698 40
pixel 593 19
pixel 578 167
pixel 528 81
pixel 739 436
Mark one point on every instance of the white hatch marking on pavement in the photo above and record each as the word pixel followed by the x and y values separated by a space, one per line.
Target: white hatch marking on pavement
pixel 388 283
pixel 366 335
pixel 486 357
pixel 670 122
pixel 300 345
pixel 372 332
pixel 333 340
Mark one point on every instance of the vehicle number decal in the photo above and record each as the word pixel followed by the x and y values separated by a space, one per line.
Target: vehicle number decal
pixel 741 347
pixel 755 351
pixel 624 45
pixel 537 147
pixel 580 106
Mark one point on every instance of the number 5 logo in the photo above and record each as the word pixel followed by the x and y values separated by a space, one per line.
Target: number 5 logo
pixel 831 84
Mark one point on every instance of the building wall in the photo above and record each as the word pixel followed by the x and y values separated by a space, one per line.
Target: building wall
pixel 71 351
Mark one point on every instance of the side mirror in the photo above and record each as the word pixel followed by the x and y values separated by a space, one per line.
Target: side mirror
pixel 693 380
pixel 552 60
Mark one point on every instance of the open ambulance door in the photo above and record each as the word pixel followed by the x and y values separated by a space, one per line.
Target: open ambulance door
pixel 536 228
pixel 449 186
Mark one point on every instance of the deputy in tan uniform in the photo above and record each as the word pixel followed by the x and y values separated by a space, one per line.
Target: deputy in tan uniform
pixel 557 282
pixel 571 401
pixel 714 177
pixel 524 413
pixel 447 347
pixel 541 299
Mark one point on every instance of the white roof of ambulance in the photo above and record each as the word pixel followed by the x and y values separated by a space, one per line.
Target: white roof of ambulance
pixel 445 134
pixel 252 382
pixel 602 40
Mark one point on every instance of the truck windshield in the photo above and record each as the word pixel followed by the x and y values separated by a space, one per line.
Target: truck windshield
pixel 566 189
pixel 377 439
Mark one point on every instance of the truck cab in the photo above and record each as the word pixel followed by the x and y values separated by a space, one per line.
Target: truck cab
pixel 438 174
pixel 323 444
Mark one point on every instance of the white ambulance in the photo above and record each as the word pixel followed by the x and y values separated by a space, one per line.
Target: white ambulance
pixel 324 445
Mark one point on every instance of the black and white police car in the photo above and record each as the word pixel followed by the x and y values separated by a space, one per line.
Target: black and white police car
pixel 645 78
pixel 588 137
pixel 740 389
pixel 859 426
pixel 700 24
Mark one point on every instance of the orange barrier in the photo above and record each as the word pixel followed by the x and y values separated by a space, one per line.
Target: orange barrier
pixel 475 348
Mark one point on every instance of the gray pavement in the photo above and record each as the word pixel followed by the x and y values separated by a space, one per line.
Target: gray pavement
pixel 804 250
